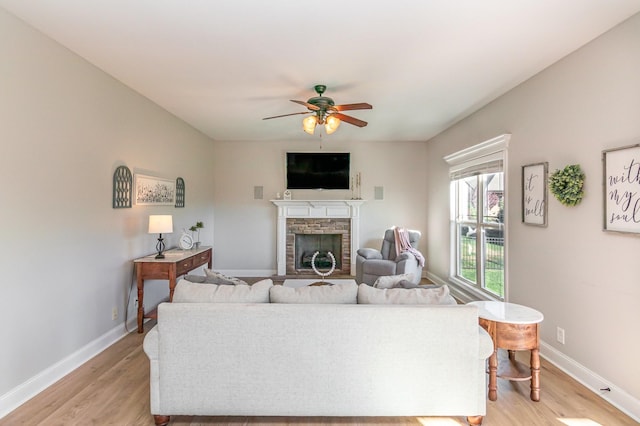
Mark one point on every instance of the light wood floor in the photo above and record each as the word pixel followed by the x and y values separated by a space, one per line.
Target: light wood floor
pixel 113 389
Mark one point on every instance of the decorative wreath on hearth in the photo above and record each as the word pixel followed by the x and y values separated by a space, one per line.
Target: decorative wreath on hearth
pixel 333 264
pixel 566 185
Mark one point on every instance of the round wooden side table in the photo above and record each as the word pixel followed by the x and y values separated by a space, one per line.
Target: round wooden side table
pixel 514 328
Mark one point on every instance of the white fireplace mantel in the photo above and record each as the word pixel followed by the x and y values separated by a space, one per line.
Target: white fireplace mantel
pixel 316 209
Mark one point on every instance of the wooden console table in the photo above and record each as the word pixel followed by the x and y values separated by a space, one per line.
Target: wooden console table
pixel 514 328
pixel 175 263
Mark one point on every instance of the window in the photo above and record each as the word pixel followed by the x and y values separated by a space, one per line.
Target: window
pixel 478 217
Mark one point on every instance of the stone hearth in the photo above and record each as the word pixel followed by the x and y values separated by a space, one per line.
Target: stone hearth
pixel 317 217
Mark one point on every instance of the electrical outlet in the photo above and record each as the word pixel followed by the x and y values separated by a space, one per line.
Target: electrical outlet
pixel 114 313
pixel 560 335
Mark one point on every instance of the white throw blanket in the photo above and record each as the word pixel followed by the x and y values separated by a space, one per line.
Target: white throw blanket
pixel 403 244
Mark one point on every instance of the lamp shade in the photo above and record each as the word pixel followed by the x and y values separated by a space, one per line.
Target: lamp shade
pixel 160 224
pixel 331 124
pixel 309 124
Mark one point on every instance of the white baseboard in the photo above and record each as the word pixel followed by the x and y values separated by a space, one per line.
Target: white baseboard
pixel 616 396
pixel 248 272
pixel 27 390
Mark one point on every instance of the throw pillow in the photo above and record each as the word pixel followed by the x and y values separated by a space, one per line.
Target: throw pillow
pixel 402 296
pixel 214 277
pixel 409 284
pixel 195 278
pixel 390 280
pixel 336 294
pixel 188 292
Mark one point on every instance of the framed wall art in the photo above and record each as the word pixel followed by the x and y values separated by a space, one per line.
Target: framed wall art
pixel 154 191
pixel 621 174
pixel 534 194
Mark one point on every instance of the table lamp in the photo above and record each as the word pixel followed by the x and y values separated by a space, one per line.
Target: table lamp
pixel 159 224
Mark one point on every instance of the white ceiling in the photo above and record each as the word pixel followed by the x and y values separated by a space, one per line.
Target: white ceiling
pixel 223 65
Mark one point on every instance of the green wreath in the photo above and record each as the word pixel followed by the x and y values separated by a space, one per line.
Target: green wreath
pixel 566 185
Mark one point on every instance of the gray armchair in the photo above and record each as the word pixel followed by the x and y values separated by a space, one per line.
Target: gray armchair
pixel 371 263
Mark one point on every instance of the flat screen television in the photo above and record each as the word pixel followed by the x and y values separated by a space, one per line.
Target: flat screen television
pixel 318 170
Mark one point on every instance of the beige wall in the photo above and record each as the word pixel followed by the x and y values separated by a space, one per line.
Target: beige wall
pixel 245 237
pixel 66 254
pixel 583 279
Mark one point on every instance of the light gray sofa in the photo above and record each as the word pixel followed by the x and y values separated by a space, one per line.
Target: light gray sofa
pixel 314 359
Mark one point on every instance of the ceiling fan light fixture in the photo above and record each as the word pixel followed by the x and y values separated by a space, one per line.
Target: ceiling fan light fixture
pixel 325 112
pixel 309 124
pixel 331 125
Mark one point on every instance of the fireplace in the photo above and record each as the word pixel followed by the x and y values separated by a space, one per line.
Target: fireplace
pixel 325 245
pixel 337 221
pixel 305 236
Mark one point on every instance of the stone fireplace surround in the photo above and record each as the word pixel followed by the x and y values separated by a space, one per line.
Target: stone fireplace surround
pixel 317 216
pixel 319 226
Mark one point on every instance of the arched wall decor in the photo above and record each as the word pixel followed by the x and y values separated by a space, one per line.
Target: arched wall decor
pixel 122 188
pixel 180 192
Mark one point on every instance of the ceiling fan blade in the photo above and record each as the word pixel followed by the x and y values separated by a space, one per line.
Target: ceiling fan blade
pixel 351 107
pixel 307 104
pixel 349 119
pixel 286 115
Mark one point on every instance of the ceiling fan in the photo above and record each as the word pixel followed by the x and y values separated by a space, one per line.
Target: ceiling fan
pixel 326 112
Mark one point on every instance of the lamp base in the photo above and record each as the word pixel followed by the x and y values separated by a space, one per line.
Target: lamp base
pixel 160 248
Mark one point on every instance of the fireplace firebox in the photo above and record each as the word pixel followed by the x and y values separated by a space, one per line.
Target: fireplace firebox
pixel 306 245
pixel 305 236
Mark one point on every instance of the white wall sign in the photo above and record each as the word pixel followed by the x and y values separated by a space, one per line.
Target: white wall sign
pixel 534 194
pixel 621 169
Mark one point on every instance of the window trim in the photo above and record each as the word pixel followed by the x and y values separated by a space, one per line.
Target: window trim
pixel 473 154
pixel 485 152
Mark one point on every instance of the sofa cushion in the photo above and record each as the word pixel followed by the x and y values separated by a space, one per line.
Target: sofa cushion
pixel 213 277
pixel 188 292
pixel 337 294
pixel 389 281
pixel 403 296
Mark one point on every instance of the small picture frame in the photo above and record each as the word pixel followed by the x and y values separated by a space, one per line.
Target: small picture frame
pixel 534 194
pixel 621 183
pixel 154 191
